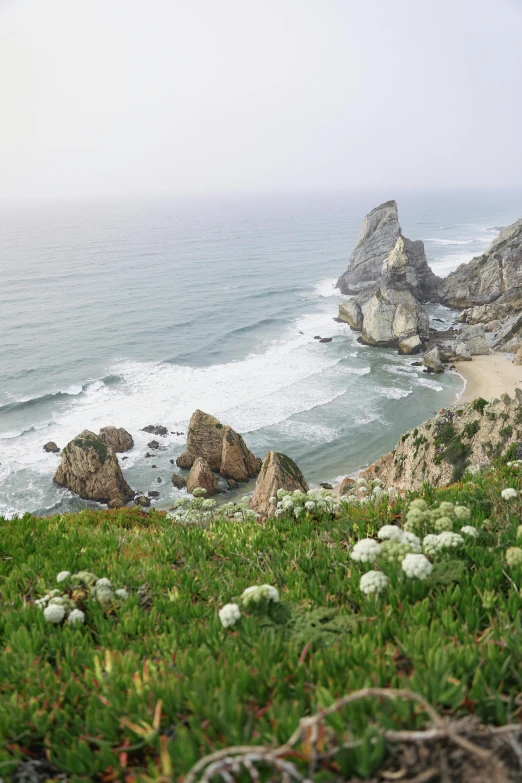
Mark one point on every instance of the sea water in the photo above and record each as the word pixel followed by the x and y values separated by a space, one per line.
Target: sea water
pixel 131 313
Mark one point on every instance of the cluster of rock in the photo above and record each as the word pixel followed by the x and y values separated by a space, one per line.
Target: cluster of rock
pixel 390 277
pixel 465 436
pixel 214 447
pixel 390 280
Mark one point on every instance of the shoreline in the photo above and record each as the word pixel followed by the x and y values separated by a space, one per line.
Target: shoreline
pixel 486 376
pixel 489 376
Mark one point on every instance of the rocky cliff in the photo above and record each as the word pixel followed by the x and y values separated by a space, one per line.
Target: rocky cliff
pixel 464 436
pixel 383 255
pixel 489 288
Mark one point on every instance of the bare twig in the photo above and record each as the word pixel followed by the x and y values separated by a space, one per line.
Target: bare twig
pixel 229 761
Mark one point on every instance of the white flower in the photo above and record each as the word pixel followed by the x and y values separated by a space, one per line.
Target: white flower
pixel 412 540
pixel 58 601
pixel 366 550
pixel 468 530
pixel 431 544
pixel 62 576
pixel 76 616
pixel 273 500
pixel 362 481
pixel 462 513
pixel 390 533
pixel 297 512
pixel 54 613
pixel 416 566
pixel 103 582
pixel 229 615
pixel 509 493
pixel 373 582
pixel 256 593
pixel 450 540
pixel 122 593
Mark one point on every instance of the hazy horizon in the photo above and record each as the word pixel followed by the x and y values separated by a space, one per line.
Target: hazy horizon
pixel 119 100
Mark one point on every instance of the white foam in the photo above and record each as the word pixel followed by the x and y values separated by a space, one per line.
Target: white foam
pixel 450 241
pixel 327 288
pixel 393 392
pixel 429 384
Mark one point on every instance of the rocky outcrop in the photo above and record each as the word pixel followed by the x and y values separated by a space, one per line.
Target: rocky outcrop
pixel 383 256
pixel 156 429
pixel 277 472
pixel 391 315
pixel 201 476
pixel 117 438
pixel 237 462
pixel 410 345
pixel 51 447
pixel 432 360
pixel 494 279
pixel 350 312
pixel 90 469
pixel 220 446
pixel 466 435
pixel 179 481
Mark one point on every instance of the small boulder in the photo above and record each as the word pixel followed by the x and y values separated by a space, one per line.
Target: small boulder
pixel 142 500
pixel 347 486
pixel 201 476
pixel 153 444
pixel 51 447
pixel 326 340
pixel 90 469
pixel 179 481
pixel 153 493
pixel 116 438
pixel 462 353
pixel 432 360
pixel 232 484
pixel 156 429
pixel 493 326
pixel 116 503
pixel 277 472
pixel 326 485
pixel 410 345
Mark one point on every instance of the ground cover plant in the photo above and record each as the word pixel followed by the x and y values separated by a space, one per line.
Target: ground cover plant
pixel 160 671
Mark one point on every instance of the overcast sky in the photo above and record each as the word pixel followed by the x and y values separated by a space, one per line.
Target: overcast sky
pixel 157 97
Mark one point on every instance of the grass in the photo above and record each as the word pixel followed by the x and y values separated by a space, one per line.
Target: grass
pixel 144 689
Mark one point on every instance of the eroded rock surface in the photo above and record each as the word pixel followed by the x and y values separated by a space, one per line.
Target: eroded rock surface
pixel 201 476
pixel 277 472
pixel 117 438
pixel 90 469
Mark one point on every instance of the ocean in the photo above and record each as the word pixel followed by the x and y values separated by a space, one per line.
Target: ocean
pixel 138 313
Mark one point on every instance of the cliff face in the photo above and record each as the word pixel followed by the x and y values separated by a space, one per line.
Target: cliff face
pixel 466 435
pixel 383 255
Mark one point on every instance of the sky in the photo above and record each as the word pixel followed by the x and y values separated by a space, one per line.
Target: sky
pixel 111 98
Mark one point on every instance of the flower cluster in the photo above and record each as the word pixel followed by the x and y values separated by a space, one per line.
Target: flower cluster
pixel 364 490
pixel 203 511
pixel 257 597
pixel 417 566
pixel 299 503
pixel 258 593
pixel 421 519
pixel 59 604
pixel 516 463
pixel 366 550
pixel 514 556
pixel 509 494
pixel 373 582
pixel 229 615
pixel 434 544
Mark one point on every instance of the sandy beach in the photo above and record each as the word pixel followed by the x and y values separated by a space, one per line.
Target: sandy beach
pixel 489 376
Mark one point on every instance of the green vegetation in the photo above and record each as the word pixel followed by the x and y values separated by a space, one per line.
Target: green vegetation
pixel 144 687
pixel 471 428
pixel 97 444
pixel 479 404
pixel 450 447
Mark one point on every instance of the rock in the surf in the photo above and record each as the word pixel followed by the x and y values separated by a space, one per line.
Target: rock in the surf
pixel 117 438
pixel 156 429
pixel 90 469
pixel 51 447
pixel 178 481
pixel 277 472
pixel 201 476
pixel 220 446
